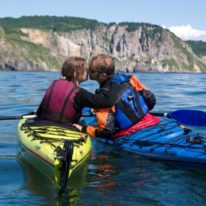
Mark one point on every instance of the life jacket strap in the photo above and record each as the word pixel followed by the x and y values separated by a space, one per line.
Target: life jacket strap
pixel 66 101
pixel 49 96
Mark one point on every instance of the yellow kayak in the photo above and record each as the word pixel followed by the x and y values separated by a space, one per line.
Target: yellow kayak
pixel 55 150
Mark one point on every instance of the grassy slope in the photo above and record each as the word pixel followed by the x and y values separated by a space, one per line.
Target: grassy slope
pixel 198 47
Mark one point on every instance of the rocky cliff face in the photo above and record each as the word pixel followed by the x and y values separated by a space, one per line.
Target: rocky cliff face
pixel 145 48
pixel 17 54
pixel 204 59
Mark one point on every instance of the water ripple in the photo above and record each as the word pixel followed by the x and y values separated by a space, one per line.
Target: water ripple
pixel 112 177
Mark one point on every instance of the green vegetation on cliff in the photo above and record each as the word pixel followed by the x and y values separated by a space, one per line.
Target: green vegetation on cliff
pixel 52 40
pixel 1 32
pixel 52 23
pixel 190 57
pixel 28 51
pixel 132 26
pixel 171 63
pixel 198 47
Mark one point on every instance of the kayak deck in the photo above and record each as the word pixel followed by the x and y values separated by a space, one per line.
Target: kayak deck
pixel 167 140
pixel 55 150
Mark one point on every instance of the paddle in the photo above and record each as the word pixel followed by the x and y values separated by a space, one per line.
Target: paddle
pixel 184 116
pixel 32 114
pixel 187 117
pixel 16 117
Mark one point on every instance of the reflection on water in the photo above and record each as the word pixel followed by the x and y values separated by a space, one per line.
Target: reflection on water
pixel 46 191
pixel 101 173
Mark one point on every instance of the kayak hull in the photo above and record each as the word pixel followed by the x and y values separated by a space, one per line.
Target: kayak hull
pixel 56 151
pixel 167 140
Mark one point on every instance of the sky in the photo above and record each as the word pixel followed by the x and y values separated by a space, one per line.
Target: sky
pixel 186 18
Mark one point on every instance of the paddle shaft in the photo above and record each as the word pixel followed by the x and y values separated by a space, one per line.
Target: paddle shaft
pixel 10 118
pixel 183 116
pixel 29 115
pixel 188 117
pixel 160 114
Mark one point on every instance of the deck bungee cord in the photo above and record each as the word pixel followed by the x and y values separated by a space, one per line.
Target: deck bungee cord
pixel 58 146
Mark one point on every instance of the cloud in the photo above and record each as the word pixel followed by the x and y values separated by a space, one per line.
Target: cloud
pixel 186 32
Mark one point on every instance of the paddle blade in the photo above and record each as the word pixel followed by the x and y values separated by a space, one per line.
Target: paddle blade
pixel 189 117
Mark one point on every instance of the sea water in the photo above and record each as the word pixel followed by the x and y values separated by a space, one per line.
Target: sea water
pixel 110 177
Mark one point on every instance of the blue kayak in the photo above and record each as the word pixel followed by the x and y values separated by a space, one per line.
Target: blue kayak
pixel 167 140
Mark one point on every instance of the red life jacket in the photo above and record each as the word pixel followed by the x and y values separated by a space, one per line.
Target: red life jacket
pixel 57 104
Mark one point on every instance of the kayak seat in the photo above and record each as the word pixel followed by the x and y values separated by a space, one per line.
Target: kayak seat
pixel 147 121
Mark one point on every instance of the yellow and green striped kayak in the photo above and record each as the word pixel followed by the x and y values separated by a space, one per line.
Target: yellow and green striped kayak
pixel 53 149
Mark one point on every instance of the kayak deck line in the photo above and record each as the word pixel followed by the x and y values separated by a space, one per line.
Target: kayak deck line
pixel 36 154
pixel 167 140
pixel 51 148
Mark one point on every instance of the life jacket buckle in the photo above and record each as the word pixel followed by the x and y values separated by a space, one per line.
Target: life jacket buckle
pixel 130 97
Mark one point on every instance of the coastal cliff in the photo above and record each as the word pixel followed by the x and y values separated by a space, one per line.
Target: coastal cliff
pixel 134 46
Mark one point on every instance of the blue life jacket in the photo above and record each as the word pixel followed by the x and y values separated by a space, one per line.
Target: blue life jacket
pixel 130 107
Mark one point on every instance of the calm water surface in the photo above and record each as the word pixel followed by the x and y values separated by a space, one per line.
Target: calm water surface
pixel 111 177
